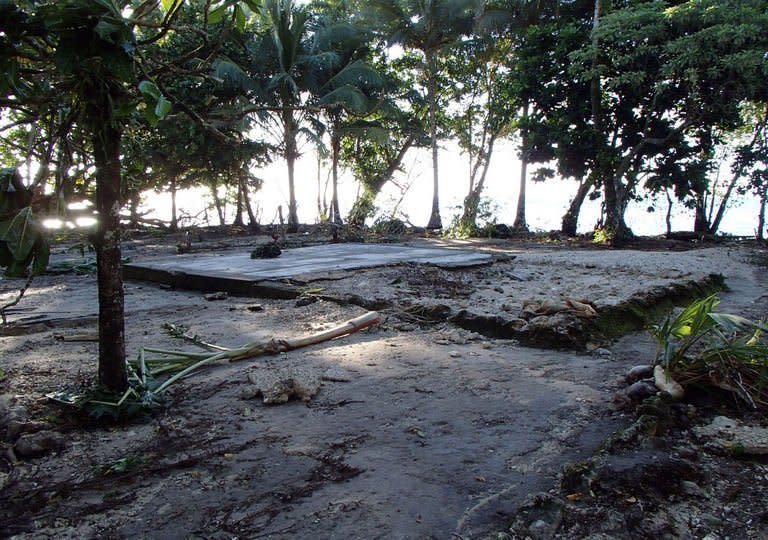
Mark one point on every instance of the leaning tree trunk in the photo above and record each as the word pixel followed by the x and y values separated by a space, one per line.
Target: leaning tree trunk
pixel 570 221
pixel 363 206
pixel 435 222
pixel 106 148
pixel 218 204
pixel 253 222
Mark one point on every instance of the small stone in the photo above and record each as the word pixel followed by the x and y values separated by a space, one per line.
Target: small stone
pixel 693 489
pixel 32 445
pixel 605 353
pixel 519 276
pixel 220 295
pixel 641 390
pixel 454 354
pixel 255 308
pixel 306 301
pixel 335 374
pixel 643 371
pixel 15 428
pixel 405 327
pixel 539 529
pixel 710 520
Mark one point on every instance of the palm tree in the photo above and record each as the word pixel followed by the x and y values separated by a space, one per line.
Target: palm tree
pixel 347 88
pixel 430 27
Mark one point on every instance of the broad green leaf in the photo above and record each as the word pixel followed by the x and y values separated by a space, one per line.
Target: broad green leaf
pixel 240 18
pixel 148 88
pixel 22 234
pixel 216 15
pixel 168 5
pixel 733 323
pixel 162 108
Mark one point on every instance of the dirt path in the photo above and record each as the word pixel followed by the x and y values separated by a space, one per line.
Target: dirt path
pixel 418 431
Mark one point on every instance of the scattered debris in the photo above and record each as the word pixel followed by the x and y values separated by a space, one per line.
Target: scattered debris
pixel 581 307
pixel 220 295
pixel 270 250
pixel 277 385
pixel 666 383
pixel 734 437
pixel 84 336
pixel 306 301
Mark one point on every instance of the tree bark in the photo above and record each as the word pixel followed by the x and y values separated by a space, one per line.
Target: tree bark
pixel 253 222
pixel 363 207
pixel 668 217
pixel 570 221
pixel 435 222
pixel 472 200
pixel 238 221
pixel 106 148
pixel 174 209
pixel 335 151
pixel 759 233
pixel 520 223
pixel 291 154
pixel 217 204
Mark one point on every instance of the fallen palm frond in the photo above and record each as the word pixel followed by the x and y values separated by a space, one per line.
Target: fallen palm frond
pixel 146 389
pixel 699 346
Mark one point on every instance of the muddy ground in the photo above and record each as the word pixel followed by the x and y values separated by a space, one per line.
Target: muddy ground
pixel 425 426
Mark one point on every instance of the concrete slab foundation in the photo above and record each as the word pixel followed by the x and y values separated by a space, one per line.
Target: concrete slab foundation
pixel 237 272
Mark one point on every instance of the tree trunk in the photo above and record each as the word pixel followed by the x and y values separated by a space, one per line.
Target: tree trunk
pixel 570 221
pixel 363 207
pixel 253 222
pixel 668 217
pixel 435 222
pixel 106 148
pixel 134 201
pixel 217 204
pixel 700 222
pixel 615 206
pixel 174 209
pixel 759 233
pixel 472 200
pixel 291 154
pixel 335 151
pixel 520 223
pixel 238 221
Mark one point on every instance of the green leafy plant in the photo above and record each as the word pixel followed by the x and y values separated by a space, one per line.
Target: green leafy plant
pixel 699 346
pixel 602 236
pixel 23 245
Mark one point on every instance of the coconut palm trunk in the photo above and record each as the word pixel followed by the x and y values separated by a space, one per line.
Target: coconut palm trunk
pixel 435 222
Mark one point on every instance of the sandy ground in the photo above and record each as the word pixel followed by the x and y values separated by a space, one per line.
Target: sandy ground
pixel 421 430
